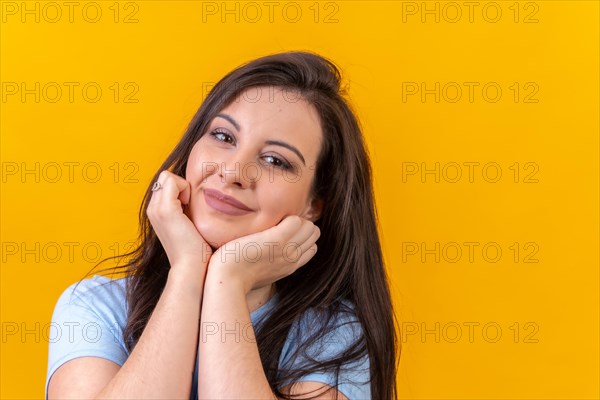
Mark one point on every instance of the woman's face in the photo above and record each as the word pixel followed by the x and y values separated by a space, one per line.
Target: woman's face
pixel 261 150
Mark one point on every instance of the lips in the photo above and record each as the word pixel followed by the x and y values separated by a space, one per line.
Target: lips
pixel 226 204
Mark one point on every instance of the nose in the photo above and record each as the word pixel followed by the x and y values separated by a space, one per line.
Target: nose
pixel 240 169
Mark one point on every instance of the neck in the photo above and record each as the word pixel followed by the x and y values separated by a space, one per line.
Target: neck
pixel 258 297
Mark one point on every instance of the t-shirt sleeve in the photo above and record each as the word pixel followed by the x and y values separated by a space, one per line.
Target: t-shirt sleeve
pixel 354 378
pixel 84 323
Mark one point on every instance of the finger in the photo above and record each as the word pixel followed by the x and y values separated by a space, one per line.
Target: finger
pixel 185 194
pixel 291 223
pixel 181 187
pixel 293 252
pixel 306 256
pixel 175 190
pixel 311 241
pixel 305 233
pixel 287 228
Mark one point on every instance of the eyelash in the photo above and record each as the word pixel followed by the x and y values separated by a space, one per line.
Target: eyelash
pixel 284 164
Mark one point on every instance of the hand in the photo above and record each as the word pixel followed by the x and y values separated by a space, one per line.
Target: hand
pixel 264 257
pixel 177 233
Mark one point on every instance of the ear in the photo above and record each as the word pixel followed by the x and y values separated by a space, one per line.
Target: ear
pixel 314 212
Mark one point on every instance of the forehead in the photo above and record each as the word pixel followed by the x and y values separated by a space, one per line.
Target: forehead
pixel 275 112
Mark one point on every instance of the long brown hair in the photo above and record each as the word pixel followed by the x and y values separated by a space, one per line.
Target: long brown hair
pixel 349 263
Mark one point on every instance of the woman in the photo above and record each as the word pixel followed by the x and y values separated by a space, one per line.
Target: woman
pixel 227 295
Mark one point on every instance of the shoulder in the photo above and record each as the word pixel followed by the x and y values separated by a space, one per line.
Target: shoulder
pixel 98 301
pixel 98 292
pixel 90 291
pixel 88 320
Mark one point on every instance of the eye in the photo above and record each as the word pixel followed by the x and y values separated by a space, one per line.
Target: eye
pixel 221 136
pixel 278 162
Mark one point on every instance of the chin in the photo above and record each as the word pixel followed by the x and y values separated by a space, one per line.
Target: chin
pixel 217 232
pixel 214 235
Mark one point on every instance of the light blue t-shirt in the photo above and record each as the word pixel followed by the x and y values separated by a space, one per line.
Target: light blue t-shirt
pixel 89 320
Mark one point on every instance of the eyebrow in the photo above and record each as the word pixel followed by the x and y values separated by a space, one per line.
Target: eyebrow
pixel 273 142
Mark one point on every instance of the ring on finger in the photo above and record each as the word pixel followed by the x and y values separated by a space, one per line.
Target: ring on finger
pixel 156 186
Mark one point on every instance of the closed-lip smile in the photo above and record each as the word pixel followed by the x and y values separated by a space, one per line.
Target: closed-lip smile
pixel 225 203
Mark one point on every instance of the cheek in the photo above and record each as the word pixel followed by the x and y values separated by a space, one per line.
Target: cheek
pixel 192 161
pixel 198 165
pixel 284 199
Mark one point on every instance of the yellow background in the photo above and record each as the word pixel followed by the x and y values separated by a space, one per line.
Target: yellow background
pixel 171 55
